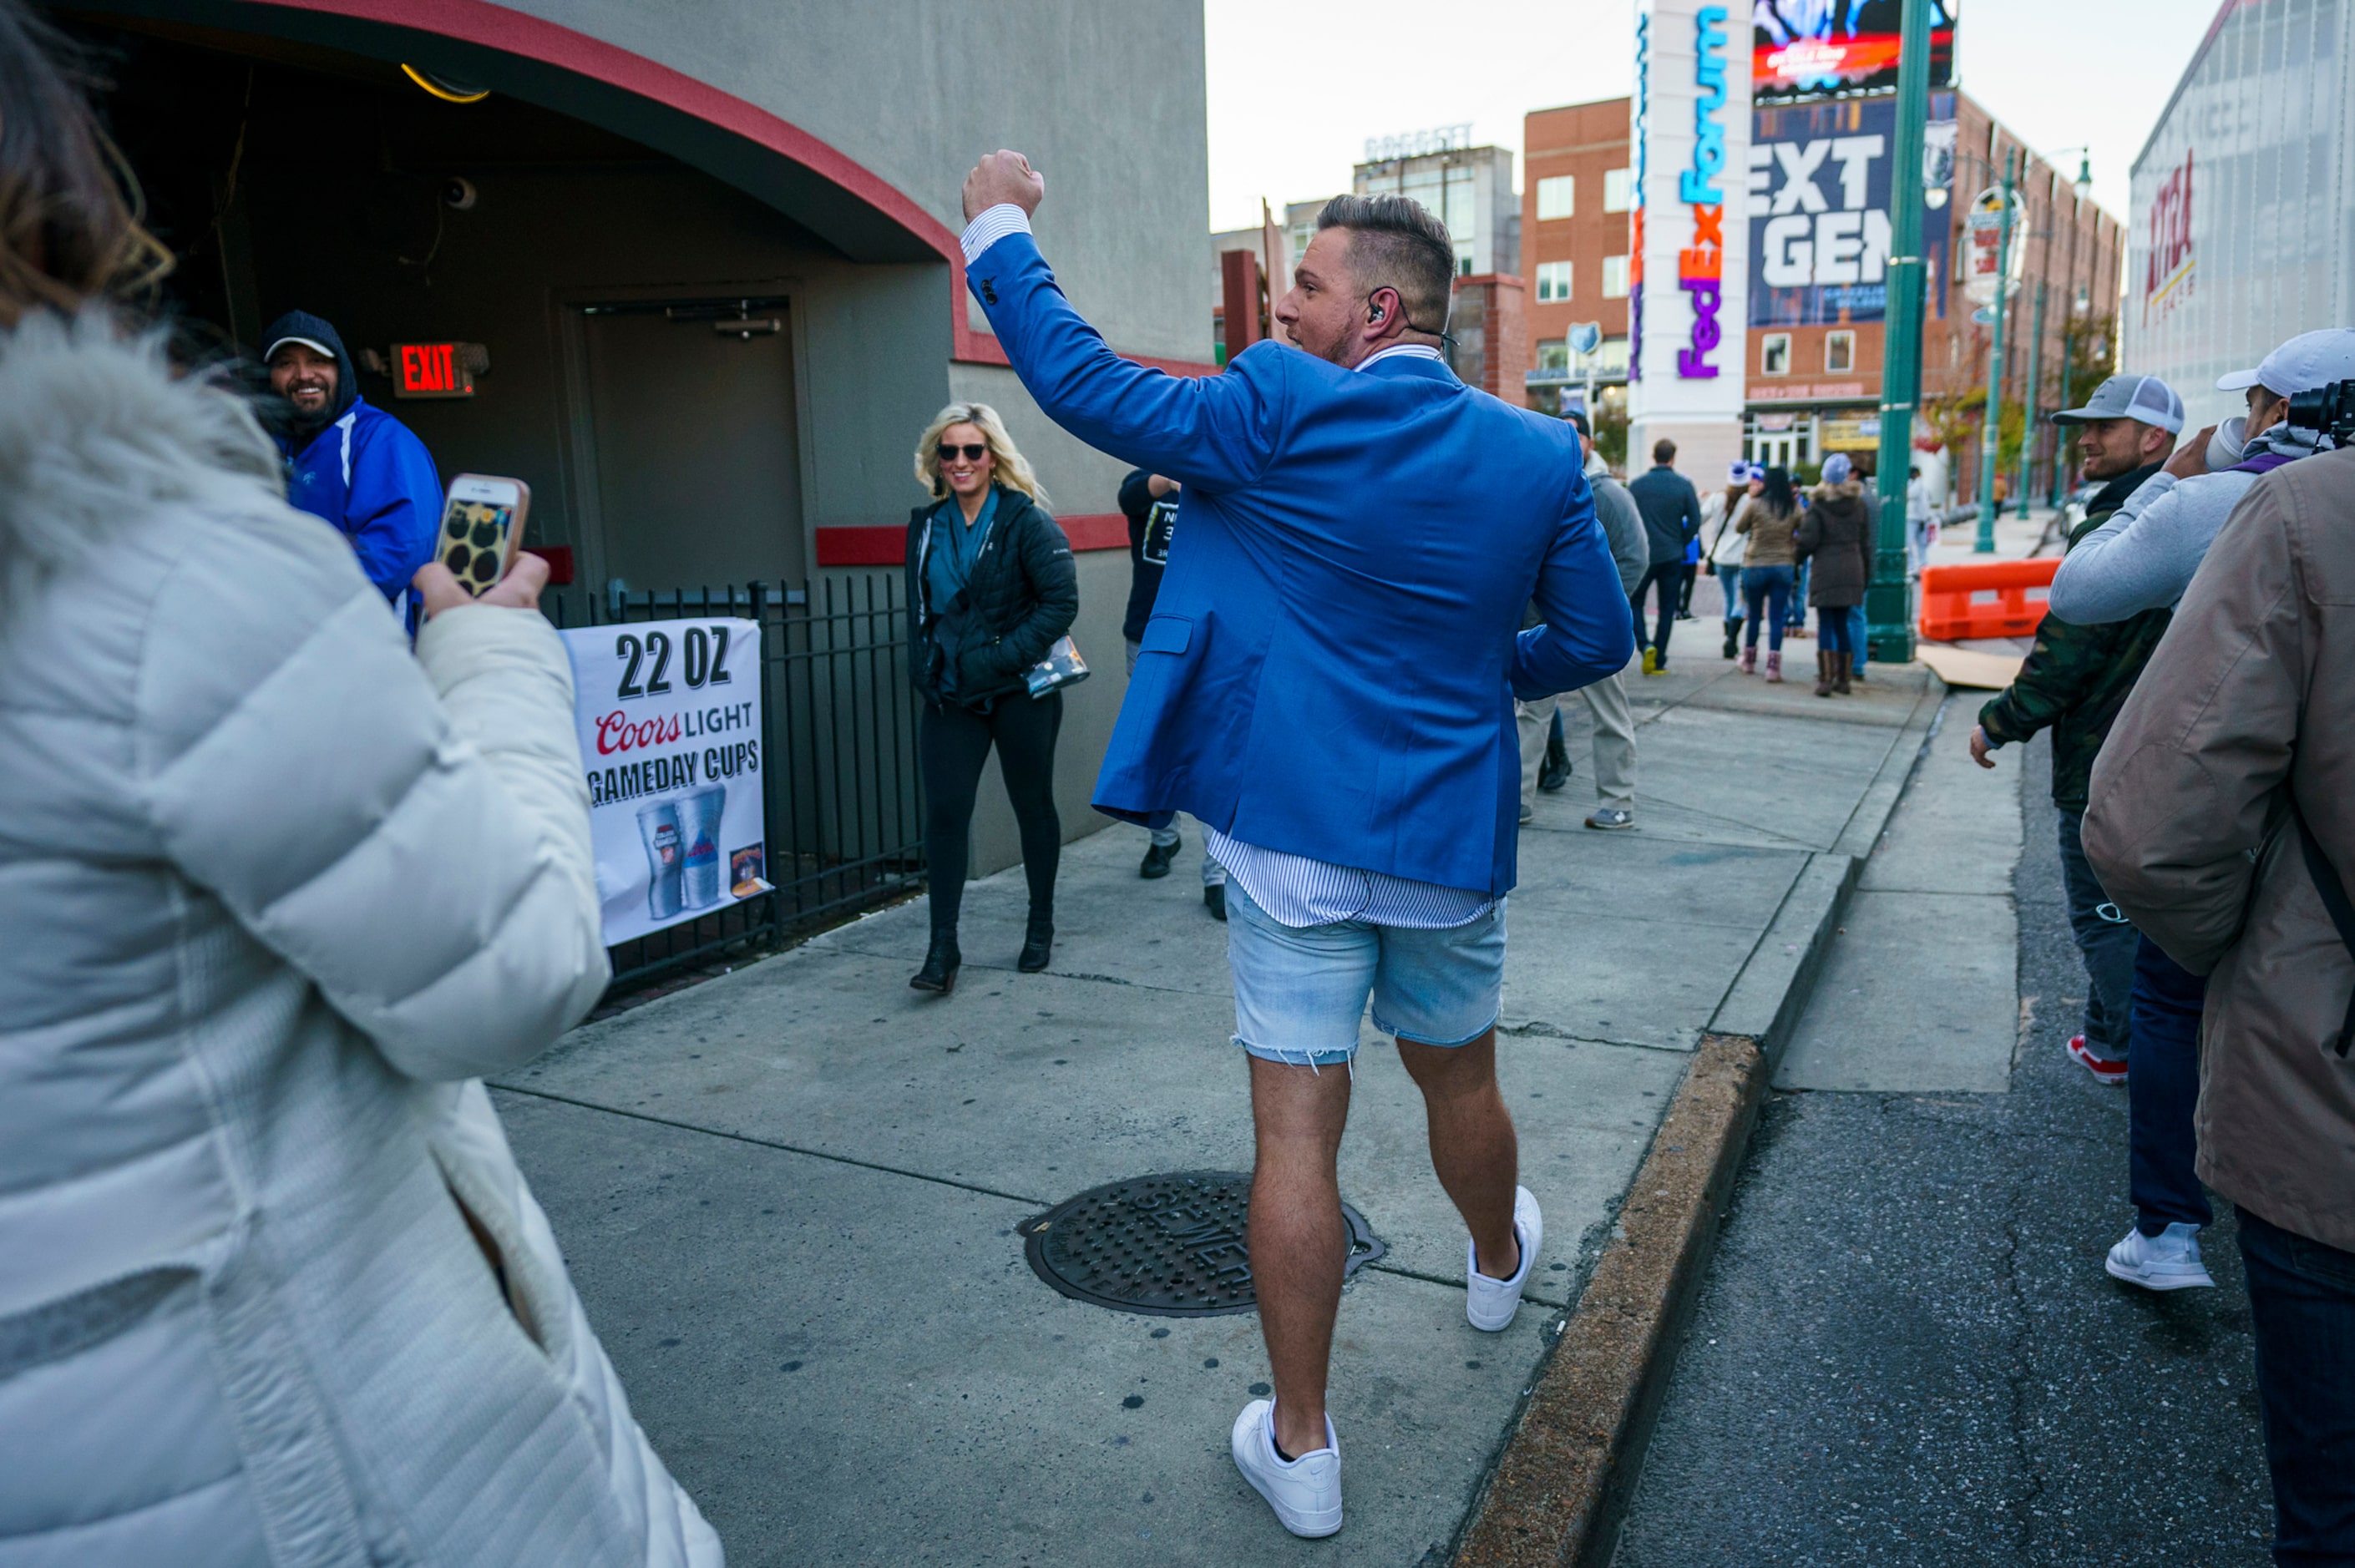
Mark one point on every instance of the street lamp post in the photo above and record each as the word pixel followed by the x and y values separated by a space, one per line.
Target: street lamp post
pixel 2027 438
pixel 1991 432
pixel 1887 603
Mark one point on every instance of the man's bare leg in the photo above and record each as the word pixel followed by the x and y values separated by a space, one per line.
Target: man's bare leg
pixel 1296 1245
pixel 1472 1147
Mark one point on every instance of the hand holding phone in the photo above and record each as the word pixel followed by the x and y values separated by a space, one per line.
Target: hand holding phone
pixel 481 528
pixel 437 590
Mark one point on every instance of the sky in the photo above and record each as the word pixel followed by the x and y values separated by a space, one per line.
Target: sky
pixel 2057 73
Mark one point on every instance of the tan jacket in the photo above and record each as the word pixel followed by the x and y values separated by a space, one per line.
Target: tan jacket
pixel 2251 697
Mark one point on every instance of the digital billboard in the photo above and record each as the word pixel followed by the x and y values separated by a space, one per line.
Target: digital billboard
pixel 1818 186
pixel 1803 48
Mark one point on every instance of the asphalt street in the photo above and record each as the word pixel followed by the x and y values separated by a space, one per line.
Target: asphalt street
pixel 1906 1351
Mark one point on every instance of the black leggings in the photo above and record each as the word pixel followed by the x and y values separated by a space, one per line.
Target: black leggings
pixel 951 747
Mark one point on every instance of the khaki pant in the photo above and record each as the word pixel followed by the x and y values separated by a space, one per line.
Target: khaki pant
pixel 1615 742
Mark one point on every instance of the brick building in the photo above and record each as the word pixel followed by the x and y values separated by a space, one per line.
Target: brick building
pixel 1574 199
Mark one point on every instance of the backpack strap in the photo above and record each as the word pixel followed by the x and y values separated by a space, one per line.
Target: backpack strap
pixel 2334 899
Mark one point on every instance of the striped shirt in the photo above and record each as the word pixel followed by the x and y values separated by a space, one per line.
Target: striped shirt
pixel 1294 889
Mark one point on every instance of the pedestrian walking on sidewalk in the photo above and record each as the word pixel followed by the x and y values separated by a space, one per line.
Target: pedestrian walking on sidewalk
pixel 280 894
pixel 2143 557
pixel 991 588
pixel 1920 518
pixel 1835 538
pixel 1613 719
pixel 2075 679
pixel 1369 841
pixel 1149 503
pixel 1768 520
pixel 2219 822
pixel 1727 545
pixel 1671 510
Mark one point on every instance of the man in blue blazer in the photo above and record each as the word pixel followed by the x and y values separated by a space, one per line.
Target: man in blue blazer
pixel 1326 683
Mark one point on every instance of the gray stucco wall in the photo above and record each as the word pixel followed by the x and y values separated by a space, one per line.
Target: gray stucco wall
pixel 1107 100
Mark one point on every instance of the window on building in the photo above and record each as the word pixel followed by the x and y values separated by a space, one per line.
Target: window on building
pixel 1611 356
pixel 1553 281
pixel 1839 350
pixel 1614 277
pixel 1774 354
pixel 1557 196
pixel 1463 258
pixel 1553 353
pixel 1618 190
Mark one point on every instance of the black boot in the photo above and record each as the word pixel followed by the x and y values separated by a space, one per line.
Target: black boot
pixel 1732 629
pixel 1156 860
pixel 1214 899
pixel 1037 944
pixel 1554 772
pixel 941 962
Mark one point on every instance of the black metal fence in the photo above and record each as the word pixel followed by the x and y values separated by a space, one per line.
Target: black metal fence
pixel 843 806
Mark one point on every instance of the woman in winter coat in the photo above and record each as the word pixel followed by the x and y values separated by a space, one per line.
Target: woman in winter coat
pixel 1768 520
pixel 1836 535
pixel 1727 545
pixel 278 895
pixel 991 588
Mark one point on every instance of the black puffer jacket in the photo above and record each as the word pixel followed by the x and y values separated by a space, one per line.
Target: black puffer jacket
pixel 1023 594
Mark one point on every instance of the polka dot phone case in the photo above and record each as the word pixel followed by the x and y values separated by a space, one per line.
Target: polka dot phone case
pixel 482 526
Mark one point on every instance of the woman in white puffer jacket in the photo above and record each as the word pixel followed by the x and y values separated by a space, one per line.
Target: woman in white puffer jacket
pixel 274 895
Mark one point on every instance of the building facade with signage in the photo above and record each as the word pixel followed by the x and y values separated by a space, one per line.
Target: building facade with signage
pixel 2244 224
pixel 707 251
pixel 1689 273
pixel 1804 229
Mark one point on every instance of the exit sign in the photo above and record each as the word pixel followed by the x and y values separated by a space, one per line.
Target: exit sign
pixel 431 370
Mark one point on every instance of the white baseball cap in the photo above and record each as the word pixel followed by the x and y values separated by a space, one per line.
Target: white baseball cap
pixel 2143 397
pixel 310 342
pixel 2309 360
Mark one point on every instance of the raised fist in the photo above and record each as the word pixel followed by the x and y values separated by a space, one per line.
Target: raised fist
pixel 1003 177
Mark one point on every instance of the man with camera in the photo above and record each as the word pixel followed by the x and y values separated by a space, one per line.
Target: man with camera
pixel 2217 825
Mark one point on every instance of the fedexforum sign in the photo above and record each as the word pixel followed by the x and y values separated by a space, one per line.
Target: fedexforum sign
pixel 1689 236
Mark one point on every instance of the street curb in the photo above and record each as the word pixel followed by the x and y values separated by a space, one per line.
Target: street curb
pixel 1562 1483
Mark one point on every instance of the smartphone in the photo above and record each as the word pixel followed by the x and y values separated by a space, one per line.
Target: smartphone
pixel 481 528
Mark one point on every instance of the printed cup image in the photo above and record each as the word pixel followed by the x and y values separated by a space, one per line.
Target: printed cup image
pixel 659 825
pixel 698 819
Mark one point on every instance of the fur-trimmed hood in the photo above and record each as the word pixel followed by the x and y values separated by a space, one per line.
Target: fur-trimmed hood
pixel 97 432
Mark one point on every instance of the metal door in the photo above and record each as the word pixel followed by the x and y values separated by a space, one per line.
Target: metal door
pixel 695 452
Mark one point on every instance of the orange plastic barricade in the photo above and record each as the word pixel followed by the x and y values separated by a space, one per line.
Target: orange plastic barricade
pixel 1988 598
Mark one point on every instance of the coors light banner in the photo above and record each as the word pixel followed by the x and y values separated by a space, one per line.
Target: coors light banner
pixel 669 713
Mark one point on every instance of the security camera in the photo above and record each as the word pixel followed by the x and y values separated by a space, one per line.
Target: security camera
pixel 458 194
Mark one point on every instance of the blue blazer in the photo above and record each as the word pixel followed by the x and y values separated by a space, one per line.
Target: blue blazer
pixel 1331 663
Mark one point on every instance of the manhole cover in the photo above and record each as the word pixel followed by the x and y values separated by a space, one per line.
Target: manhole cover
pixel 1171 1245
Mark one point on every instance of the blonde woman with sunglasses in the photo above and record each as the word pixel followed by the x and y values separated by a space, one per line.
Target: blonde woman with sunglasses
pixel 990 587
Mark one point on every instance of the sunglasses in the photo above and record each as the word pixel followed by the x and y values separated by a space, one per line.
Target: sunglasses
pixel 972 453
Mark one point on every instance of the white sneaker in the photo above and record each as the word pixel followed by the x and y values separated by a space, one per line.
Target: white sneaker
pixel 1306 1493
pixel 1491 1303
pixel 2168 1261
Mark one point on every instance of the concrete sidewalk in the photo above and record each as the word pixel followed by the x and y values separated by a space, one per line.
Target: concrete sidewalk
pixel 789 1196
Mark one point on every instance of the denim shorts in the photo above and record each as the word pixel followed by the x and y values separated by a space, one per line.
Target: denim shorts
pixel 1301 989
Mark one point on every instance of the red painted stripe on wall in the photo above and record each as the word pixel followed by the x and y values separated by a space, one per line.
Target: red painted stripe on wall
pixel 983 348
pixel 887 546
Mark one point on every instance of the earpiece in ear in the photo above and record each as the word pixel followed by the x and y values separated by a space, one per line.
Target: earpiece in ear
pixel 1374 314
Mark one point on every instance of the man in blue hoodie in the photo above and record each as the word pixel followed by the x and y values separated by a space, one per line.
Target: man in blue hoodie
pixel 348 460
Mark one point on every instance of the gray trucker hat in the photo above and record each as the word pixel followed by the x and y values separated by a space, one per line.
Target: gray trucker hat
pixel 2143 397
